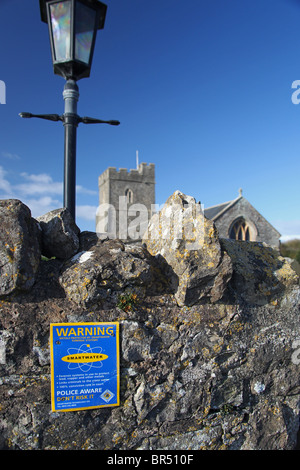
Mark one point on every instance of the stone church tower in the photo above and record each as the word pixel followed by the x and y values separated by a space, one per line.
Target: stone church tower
pixel 126 201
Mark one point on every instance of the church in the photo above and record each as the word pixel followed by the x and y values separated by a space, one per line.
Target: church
pixel 120 190
pixel 239 220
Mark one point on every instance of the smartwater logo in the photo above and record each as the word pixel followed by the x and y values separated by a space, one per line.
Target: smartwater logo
pixel 2 92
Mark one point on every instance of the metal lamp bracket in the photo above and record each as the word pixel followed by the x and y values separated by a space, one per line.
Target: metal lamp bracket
pixel 57 117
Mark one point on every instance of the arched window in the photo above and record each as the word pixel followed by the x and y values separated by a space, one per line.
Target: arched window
pixel 129 196
pixel 240 230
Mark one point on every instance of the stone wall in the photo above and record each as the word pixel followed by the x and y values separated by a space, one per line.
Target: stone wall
pixel 141 183
pixel 261 229
pixel 208 361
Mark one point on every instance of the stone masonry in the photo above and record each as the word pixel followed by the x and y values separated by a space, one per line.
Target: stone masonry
pixel 123 197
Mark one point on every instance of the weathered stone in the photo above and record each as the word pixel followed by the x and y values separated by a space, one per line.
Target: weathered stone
pixel 20 252
pixel 260 273
pixel 108 268
pixel 205 377
pixel 87 240
pixel 219 376
pixel 189 243
pixel 59 234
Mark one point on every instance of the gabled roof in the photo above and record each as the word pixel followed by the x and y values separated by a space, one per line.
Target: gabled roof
pixel 214 212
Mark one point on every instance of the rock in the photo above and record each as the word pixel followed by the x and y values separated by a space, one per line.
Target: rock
pixel 294 264
pixel 260 274
pixel 189 243
pixel 221 374
pixel 207 377
pixel 87 240
pixel 59 234
pixel 108 268
pixel 20 251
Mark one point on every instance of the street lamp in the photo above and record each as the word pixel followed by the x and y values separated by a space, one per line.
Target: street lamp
pixel 73 26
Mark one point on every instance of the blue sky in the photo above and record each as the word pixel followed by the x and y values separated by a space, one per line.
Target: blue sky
pixel 202 89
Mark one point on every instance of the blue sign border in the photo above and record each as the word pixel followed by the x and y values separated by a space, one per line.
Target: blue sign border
pixel 85 365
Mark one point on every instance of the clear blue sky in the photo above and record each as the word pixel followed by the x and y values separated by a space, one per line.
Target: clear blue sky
pixel 202 89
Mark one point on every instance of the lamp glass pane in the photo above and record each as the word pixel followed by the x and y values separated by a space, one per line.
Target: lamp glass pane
pixel 61 30
pixel 84 31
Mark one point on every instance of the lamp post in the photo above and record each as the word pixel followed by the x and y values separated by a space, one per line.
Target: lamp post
pixel 73 26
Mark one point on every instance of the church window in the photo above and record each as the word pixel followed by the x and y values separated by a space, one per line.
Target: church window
pixel 240 231
pixel 129 196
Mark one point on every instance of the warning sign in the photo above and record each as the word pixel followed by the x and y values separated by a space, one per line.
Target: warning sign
pixel 84 365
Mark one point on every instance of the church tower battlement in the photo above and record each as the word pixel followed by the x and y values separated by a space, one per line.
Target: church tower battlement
pixel 136 186
pixel 144 173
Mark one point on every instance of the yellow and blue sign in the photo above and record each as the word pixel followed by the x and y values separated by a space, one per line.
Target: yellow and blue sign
pixel 84 365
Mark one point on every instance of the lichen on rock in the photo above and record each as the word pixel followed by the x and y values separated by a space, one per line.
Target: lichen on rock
pixel 209 361
pixel 189 243
pixel 20 251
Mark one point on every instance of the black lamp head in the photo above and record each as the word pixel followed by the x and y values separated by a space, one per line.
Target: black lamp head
pixel 73 26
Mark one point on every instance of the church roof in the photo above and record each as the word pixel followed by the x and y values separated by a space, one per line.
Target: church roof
pixel 214 212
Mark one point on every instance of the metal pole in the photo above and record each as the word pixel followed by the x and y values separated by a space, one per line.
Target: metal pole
pixel 71 119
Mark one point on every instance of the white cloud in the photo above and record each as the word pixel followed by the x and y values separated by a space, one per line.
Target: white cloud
pixel 40 178
pixel 289 229
pixel 5 187
pixel 42 194
pixel 44 184
pixel 10 156
pixel 39 184
pixel 82 190
pixel 286 238
pixel 86 212
pixel 42 205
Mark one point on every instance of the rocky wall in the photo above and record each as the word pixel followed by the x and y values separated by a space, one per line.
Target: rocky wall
pixel 209 360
